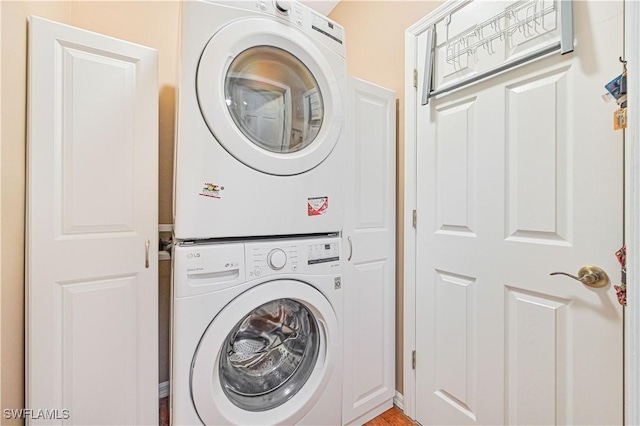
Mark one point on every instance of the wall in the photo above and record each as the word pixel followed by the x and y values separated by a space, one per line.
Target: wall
pixel 13 32
pixel 375 52
pixel 0 213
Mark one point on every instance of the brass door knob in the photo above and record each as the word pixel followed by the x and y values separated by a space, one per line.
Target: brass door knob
pixel 591 276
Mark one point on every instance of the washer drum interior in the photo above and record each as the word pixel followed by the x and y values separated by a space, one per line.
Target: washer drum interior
pixel 269 355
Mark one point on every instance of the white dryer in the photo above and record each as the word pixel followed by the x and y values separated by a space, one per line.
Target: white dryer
pixel 260 121
pixel 257 333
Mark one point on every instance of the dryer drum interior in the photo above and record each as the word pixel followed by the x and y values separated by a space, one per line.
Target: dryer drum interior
pixel 269 355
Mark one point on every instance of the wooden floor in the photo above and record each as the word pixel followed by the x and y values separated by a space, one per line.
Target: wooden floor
pixel 164 411
pixel 391 417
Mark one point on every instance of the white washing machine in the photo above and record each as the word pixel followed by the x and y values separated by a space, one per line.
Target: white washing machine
pixel 257 333
pixel 260 121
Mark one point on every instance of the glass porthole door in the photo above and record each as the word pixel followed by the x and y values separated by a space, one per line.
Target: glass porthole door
pixel 274 99
pixel 269 96
pixel 267 355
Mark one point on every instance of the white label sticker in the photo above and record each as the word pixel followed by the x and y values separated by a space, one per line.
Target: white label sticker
pixel 211 190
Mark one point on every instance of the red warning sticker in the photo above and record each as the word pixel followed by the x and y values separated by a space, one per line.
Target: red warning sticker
pixel 317 205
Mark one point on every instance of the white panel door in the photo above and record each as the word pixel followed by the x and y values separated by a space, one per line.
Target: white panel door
pixel 263 115
pixel 92 321
pixel 369 284
pixel 517 177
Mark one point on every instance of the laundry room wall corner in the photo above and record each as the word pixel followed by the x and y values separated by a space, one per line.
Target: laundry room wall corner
pixel 166 124
pixel 164 312
pixel 375 52
pixel 166 129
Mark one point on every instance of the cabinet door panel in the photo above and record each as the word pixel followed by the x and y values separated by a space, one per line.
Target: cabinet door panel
pixel 369 332
pixel 92 274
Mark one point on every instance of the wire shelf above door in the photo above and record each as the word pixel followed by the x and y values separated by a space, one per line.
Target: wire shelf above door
pixel 462 51
pixel 526 17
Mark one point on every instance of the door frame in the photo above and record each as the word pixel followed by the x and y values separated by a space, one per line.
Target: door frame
pixel 632 211
pixel 632 223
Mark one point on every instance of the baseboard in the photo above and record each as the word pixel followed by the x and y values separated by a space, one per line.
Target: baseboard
pixel 163 389
pixel 398 400
pixel 165 227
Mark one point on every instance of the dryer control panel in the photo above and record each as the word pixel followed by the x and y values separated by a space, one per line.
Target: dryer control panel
pixel 306 19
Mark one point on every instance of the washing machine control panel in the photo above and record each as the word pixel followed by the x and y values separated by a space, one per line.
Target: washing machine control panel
pixel 323 253
pixel 310 256
pixel 205 267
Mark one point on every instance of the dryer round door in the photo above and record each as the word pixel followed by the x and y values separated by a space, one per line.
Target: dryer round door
pixel 269 96
pixel 266 357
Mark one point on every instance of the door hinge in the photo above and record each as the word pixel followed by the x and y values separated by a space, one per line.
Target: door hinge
pixel 415 78
pixel 415 218
pixel 413 359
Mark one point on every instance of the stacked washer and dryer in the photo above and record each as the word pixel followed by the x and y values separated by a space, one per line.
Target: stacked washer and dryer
pixel 257 303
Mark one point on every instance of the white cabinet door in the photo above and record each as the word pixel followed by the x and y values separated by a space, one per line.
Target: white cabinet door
pixel 369 236
pixel 92 321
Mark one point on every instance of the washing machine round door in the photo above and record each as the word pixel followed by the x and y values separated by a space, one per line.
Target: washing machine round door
pixel 267 355
pixel 269 96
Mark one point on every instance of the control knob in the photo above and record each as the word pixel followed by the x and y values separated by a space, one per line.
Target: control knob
pixel 276 259
pixel 283 6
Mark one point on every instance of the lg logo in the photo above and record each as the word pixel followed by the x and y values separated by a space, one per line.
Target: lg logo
pixel 193 255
